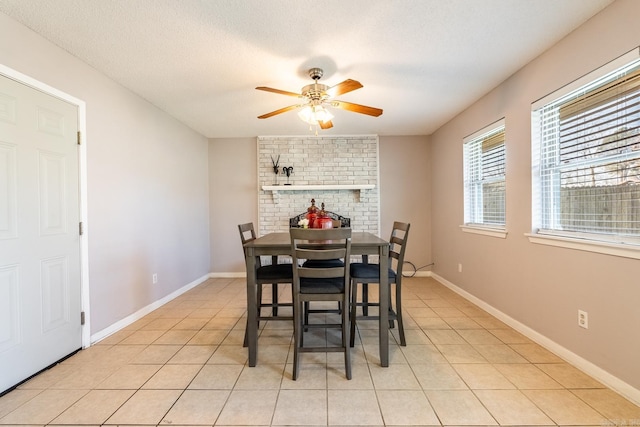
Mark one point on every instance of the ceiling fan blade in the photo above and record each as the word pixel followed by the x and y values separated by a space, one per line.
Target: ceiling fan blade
pixel 325 125
pixel 357 108
pixel 344 87
pixel 280 111
pixel 281 92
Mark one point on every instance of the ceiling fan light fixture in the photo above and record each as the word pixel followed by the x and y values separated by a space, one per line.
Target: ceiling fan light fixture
pixel 313 114
pixel 315 96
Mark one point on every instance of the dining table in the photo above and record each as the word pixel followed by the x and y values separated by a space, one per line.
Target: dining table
pixel 279 243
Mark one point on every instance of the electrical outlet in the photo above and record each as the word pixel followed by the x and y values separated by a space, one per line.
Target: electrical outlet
pixel 460 268
pixel 154 278
pixel 583 319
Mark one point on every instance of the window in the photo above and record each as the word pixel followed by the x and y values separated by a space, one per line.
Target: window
pixel 586 157
pixel 484 177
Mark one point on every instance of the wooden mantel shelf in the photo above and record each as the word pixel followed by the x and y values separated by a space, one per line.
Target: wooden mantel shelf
pixel 321 187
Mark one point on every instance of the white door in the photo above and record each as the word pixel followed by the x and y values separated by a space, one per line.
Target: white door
pixel 40 300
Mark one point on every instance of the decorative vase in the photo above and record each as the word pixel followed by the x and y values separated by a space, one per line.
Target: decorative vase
pixel 323 220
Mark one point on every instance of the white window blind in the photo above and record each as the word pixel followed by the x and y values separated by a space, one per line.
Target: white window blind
pixel 484 177
pixel 586 156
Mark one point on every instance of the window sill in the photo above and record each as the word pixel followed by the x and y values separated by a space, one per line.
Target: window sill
pixel 485 231
pixel 615 249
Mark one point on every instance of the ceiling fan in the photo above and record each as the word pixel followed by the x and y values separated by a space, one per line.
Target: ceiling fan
pixel 317 96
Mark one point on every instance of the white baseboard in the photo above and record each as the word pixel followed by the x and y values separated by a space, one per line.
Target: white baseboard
pixel 227 275
pixel 416 274
pixel 144 311
pixel 611 381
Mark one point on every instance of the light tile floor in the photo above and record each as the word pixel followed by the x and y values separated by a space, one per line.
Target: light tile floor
pixel 184 365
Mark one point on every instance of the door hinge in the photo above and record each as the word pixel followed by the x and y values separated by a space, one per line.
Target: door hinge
pixel 82 318
pixel 80 228
pixel 79 138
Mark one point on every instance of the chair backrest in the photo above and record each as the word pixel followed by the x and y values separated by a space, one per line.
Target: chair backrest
pixel 247 234
pixel 398 243
pixel 320 244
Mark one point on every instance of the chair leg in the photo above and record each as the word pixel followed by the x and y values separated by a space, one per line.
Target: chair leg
pixel 297 338
pixel 303 313
pixel 365 299
pixel 274 299
pixel 245 342
pixel 306 314
pixel 391 322
pixel 403 341
pixel 345 338
pixel 259 299
pixel 354 305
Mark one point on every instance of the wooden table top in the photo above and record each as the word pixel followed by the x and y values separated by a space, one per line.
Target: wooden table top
pixel 282 239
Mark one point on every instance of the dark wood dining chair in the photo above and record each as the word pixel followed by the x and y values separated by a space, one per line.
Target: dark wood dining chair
pixel 328 282
pixel 365 273
pixel 325 263
pixel 273 274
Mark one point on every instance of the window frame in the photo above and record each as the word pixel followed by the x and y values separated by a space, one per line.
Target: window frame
pixel 585 241
pixel 473 215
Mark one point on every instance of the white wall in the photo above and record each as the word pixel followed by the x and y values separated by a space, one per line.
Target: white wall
pixel 147 183
pixel 233 191
pixel 405 194
pixel 540 286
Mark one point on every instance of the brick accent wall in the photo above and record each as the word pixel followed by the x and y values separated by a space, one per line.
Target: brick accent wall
pixel 319 160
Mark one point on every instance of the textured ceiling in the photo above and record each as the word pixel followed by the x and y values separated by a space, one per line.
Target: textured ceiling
pixel 421 61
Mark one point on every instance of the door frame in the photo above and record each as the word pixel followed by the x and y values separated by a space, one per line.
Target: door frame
pixel 82 172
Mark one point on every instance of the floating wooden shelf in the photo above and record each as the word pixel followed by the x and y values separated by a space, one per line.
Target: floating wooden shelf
pixel 275 189
pixel 355 187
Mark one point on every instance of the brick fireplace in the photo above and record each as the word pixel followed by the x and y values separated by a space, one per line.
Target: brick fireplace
pixel 341 171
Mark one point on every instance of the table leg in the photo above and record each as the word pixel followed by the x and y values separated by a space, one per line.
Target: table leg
pixel 252 308
pixel 384 292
